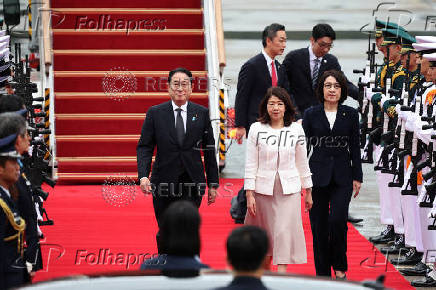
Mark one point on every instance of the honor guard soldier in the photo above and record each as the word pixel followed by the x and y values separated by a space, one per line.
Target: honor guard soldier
pixel 13 270
pixel 390 214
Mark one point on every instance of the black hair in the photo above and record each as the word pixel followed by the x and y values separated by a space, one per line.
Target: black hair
pixel 11 103
pixel 283 95
pixel 271 31
pixel 180 229
pixel 323 30
pixel 247 247
pixel 340 78
pixel 12 123
pixel 182 70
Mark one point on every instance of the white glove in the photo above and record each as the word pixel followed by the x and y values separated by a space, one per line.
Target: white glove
pixel 369 93
pixel 410 122
pixel 383 100
pixel 29 267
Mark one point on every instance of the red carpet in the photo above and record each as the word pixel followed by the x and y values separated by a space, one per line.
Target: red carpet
pixel 90 235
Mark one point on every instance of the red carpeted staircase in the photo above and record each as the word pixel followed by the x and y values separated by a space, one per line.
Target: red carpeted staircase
pixel 111 61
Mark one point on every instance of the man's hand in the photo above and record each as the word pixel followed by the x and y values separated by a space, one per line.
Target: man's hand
pixel 356 187
pixel 145 185
pixel 240 134
pixel 211 195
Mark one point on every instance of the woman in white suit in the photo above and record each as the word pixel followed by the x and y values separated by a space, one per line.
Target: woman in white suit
pixel 276 170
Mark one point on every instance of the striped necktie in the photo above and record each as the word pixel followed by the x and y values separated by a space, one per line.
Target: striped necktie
pixel 315 73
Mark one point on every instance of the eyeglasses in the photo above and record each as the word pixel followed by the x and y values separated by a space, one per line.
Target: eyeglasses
pixel 325 45
pixel 177 85
pixel 328 86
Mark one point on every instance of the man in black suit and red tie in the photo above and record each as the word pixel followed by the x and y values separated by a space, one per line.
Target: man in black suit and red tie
pixel 179 130
pixel 257 75
pixel 304 65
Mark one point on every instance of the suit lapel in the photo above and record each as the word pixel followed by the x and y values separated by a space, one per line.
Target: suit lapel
pixel 306 64
pixel 189 116
pixel 324 119
pixel 280 75
pixel 169 118
pixel 340 116
pixel 264 70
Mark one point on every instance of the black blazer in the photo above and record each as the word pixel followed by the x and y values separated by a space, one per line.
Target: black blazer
pixel 336 152
pixel 244 282
pixel 297 65
pixel 253 81
pixel 172 159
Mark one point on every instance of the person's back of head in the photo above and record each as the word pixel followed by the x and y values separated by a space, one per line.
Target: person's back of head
pixel 180 229
pixel 247 247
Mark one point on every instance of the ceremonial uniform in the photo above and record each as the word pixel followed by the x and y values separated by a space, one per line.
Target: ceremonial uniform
pixel 13 270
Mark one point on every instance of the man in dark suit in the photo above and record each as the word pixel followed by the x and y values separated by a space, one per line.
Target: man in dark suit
pixel 247 247
pixel 179 130
pixel 257 75
pixel 13 270
pixel 304 65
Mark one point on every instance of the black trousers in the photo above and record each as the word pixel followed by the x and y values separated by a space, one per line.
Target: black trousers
pixel 165 194
pixel 328 220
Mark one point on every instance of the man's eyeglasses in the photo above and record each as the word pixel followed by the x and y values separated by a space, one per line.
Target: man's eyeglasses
pixel 183 85
pixel 325 45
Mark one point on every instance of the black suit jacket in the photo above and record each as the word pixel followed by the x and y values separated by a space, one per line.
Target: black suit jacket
pixel 158 131
pixel 244 282
pixel 297 65
pixel 336 152
pixel 253 81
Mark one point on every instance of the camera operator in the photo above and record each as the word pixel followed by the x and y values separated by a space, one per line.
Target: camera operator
pixel 21 191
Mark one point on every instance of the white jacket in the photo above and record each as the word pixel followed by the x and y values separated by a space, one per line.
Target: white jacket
pixel 264 144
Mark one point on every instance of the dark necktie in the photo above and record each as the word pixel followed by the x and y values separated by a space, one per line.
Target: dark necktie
pixel 180 128
pixel 315 73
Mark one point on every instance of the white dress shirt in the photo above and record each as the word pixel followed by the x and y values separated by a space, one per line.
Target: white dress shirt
pixel 264 146
pixel 268 63
pixel 331 117
pixel 312 58
pixel 184 113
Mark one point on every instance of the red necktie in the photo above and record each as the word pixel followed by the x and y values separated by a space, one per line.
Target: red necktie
pixel 273 75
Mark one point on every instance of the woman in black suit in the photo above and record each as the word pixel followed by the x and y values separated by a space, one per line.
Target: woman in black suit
pixel 332 130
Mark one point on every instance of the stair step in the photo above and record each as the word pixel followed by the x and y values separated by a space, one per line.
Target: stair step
pixel 127 19
pixel 97 164
pixel 166 39
pixel 71 124
pixel 96 145
pixel 125 4
pixel 98 81
pixel 70 103
pixel 130 59
pixel 94 177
